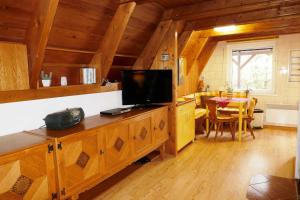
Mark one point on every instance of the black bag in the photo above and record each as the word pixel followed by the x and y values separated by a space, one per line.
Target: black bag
pixel 64 119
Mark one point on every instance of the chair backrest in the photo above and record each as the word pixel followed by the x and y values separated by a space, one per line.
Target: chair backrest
pixel 201 97
pixel 212 108
pixel 251 108
pixel 235 94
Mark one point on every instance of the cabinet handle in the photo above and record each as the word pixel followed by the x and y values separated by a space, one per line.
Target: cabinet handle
pixel 101 152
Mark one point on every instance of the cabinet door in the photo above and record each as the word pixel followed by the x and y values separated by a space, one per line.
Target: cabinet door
pixel 117 146
pixel 160 125
pixel 140 130
pixel 28 174
pixel 185 124
pixel 78 161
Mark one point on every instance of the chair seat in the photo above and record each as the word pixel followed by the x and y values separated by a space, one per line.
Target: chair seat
pixel 237 116
pixel 226 118
pixel 200 112
pixel 230 109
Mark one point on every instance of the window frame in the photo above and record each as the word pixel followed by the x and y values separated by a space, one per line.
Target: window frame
pixel 252 45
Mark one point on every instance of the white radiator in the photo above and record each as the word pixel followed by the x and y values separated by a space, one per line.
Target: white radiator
pixel 281 115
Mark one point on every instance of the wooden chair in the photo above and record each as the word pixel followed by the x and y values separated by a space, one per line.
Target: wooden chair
pixel 219 120
pixel 249 117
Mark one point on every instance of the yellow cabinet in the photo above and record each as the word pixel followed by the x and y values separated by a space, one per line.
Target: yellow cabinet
pixel 185 124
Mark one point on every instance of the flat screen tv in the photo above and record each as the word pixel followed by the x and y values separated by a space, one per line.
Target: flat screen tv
pixel 142 87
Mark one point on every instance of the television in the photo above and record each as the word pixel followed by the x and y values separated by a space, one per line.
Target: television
pixel 143 87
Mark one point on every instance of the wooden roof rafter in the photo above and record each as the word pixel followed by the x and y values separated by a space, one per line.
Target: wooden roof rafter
pixel 37 37
pixel 144 2
pixel 147 56
pixel 103 58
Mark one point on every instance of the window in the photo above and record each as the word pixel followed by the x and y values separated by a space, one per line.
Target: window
pixel 252 67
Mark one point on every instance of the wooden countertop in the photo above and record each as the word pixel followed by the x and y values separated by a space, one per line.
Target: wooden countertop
pixel 93 122
pixel 179 103
pixel 19 141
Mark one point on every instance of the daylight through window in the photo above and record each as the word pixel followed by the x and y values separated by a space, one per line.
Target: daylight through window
pixel 252 69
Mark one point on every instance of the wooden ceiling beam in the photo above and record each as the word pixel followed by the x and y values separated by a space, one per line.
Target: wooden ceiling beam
pixel 143 2
pixel 37 37
pixel 217 8
pixel 247 17
pixel 103 59
pixel 194 47
pixel 183 40
pixel 270 25
pixel 243 36
pixel 147 56
pixel 206 53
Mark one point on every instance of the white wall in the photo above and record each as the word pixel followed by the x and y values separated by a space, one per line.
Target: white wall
pixel 215 72
pixel 28 115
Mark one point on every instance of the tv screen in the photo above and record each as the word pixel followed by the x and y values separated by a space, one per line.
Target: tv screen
pixel 146 86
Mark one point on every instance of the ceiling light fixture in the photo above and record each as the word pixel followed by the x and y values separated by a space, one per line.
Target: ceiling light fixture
pixel 225 28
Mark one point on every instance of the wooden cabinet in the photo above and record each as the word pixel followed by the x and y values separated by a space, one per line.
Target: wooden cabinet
pixel 185 124
pixel 117 148
pixel 27 168
pixel 160 125
pixel 71 161
pixel 78 160
pixel 140 130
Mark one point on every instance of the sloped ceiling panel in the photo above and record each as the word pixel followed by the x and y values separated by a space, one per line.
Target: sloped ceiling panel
pixel 15 18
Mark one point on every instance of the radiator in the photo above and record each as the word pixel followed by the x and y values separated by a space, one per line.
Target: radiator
pixel 281 115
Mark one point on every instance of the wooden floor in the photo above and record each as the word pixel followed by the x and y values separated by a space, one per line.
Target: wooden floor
pixel 207 169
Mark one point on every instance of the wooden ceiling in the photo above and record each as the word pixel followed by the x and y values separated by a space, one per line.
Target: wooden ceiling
pixel 79 27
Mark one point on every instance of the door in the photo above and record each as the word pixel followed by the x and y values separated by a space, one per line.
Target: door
pixel 160 125
pixel 140 130
pixel 28 174
pixel 117 146
pixel 78 160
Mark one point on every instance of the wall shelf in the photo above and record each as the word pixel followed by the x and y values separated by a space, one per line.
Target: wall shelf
pixel 52 92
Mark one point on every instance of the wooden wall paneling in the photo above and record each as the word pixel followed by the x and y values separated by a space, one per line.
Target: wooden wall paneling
pixel 15 18
pixel 13 67
pixel 149 53
pixel 103 59
pixel 140 28
pixel 38 37
pixel 85 28
pixel 72 74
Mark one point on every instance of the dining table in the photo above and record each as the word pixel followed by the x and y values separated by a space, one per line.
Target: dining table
pixel 226 102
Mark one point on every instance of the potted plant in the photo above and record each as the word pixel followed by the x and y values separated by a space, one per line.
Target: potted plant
pixel 46 79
